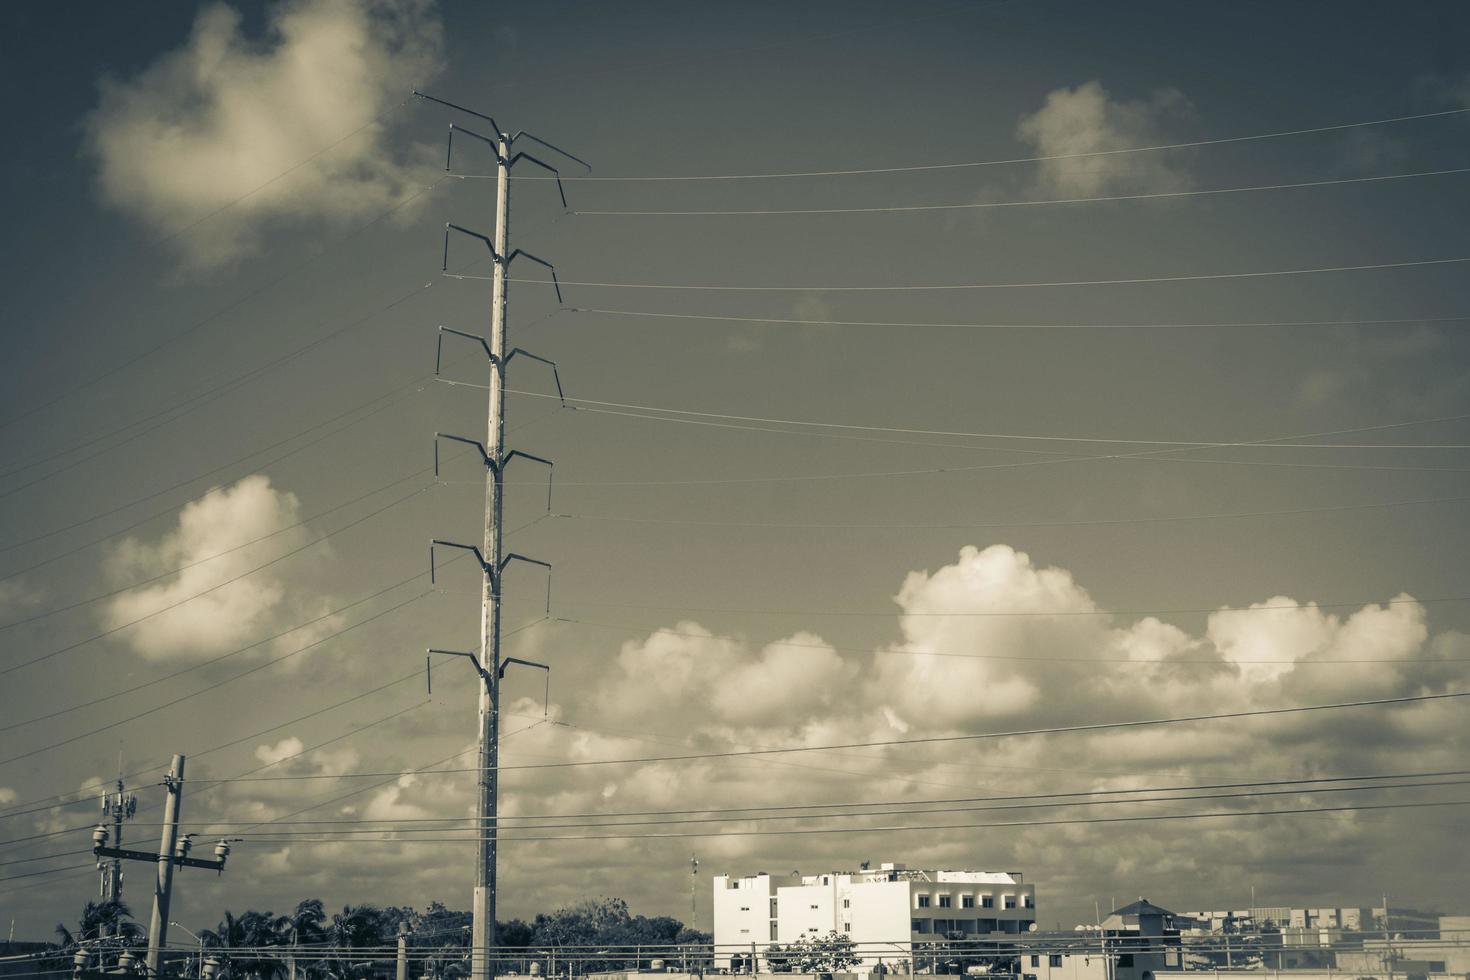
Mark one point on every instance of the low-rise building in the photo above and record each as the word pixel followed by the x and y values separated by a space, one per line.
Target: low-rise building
pixel 885 912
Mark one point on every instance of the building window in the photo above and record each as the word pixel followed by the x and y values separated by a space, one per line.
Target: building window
pixel 1126 960
pixel 815 906
pixel 987 901
pixel 744 932
pixel 773 908
pixel 945 902
pixel 967 901
pixel 1035 960
pixel 847 927
pixel 923 901
pixel 773 932
pixel 847 903
pixel 914 925
pixel 745 908
pixel 1054 959
pixel 1028 901
pixel 1010 901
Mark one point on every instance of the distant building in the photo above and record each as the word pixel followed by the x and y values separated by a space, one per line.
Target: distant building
pixel 885 912
pixel 1305 921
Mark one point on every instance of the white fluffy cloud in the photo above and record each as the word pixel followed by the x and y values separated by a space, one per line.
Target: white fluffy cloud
pixel 964 663
pixel 1087 120
pixel 199 611
pixel 212 125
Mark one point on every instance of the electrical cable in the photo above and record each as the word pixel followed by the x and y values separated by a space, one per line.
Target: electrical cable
pixel 899 828
pixel 765 818
pixel 198 324
pixel 1242 324
pixel 209 394
pixel 1034 284
pixel 952 739
pixel 982 205
pixel 968 525
pixel 218 684
pixel 791 807
pixel 919 168
pixel 1125 661
pixel 1016 326
pixel 173 605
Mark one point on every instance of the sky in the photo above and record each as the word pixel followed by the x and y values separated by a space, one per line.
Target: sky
pixel 217 406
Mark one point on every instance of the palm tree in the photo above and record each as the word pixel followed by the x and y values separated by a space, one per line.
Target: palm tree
pixel 242 941
pixel 304 925
pixel 355 927
pixel 99 919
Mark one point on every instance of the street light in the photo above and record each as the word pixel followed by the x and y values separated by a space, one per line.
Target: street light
pixel 197 938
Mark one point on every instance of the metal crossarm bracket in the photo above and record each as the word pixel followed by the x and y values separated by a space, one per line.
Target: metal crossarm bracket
pixel 439 348
pixel 550 469
pixel 429 659
pixel 550 146
pixel 513 556
pixel 555 374
pixel 484 565
pixel 546 695
pixel 507 163
pixel 458 108
pixel 496 256
pixel 485 455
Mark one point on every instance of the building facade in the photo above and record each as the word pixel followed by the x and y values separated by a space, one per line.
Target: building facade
pixel 885 912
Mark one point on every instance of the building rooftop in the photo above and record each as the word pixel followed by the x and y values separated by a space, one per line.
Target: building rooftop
pixel 1141 907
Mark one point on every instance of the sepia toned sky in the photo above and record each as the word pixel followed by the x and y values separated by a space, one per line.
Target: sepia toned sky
pixel 222 281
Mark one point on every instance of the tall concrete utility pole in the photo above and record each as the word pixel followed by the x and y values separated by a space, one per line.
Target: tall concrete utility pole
pixel 163 885
pixel 491 554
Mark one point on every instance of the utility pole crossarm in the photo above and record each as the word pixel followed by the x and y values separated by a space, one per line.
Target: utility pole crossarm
pixel 485 566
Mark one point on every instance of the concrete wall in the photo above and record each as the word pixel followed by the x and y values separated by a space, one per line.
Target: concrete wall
pixel 742 915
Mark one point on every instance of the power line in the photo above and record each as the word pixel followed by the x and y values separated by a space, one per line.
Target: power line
pixel 1008 614
pixel 790 807
pixel 174 605
pixel 1217 141
pixel 234 677
pixel 767 818
pixel 983 205
pixel 902 828
pixel 1035 284
pixel 123 365
pixel 1157 454
pixel 951 739
pixel 330 614
pixel 891 651
pixel 230 307
pixel 208 558
pixel 966 525
pixel 1018 437
pixel 1241 324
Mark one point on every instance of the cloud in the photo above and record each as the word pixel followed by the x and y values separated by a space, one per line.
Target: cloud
pixel 991 639
pixel 232 129
pixel 1087 120
pixel 284 749
pixel 199 612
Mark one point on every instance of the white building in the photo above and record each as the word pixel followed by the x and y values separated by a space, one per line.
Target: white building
pixel 884 911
